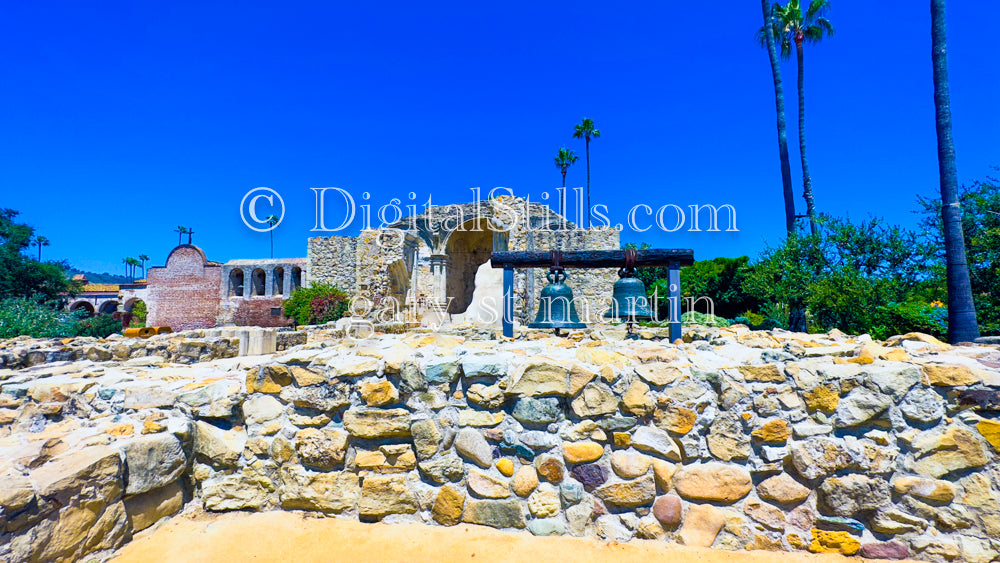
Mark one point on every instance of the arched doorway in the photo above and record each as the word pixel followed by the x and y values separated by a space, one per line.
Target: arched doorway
pixel 279 281
pixel 138 309
pixel 82 308
pixel 468 247
pixel 296 278
pixel 236 283
pixel 108 307
pixel 259 280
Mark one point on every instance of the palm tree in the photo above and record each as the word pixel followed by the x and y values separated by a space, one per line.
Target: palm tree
pixel 585 130
pixel 271 220
pixel 798 27
pixel 180 232
pixel 40 242
pixel 962 326
pixel 564 159
pixel 125 261
pixel 132 263
pixel 766 35
pixel 143 259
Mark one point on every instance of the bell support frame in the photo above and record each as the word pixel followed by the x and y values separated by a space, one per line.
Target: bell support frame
pixel 671 258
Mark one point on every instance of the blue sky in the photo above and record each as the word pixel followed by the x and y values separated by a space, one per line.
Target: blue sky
pixel 122 120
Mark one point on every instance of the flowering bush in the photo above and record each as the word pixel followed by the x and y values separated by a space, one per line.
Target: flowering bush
pixel 318 304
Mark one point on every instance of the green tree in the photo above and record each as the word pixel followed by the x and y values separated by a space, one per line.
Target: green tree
pixel 846 277
pixel 143 259
pixel 980 203
pixel 796 28
pixel 564 159
pixel 181 231
pixel 21 276
pixel 962 326
pixel 585 130
pixel 766 36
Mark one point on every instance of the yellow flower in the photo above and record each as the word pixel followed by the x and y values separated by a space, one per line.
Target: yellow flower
pixel 937 303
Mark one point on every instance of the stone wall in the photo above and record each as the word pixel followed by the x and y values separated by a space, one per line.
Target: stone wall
pixel 333 260
pixel 734 439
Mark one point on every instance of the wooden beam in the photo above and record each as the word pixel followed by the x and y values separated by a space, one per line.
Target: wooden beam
pixel 648 258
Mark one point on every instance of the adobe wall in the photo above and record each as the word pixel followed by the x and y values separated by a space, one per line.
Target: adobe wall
pixel 184 294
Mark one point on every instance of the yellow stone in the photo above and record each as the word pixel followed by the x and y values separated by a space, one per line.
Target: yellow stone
pixel 797 542
pixel 582 452
pixel 379 393
pixel 482 419
pixel 505 466
pixel 448 506
pixel 122 430
pixel 305 377
pixel 927 489
pixel 990 429
pixel 949 375
pixel 822 398
pixel 637 400
pixel 896 355
pixel 760 541
pixel 775 431
pixel 767 373
pixel 622 439
pixel 678 420
pixel 152 424
pixel 268 379
pixel 601 357
pixel 663 472
pixel 834 542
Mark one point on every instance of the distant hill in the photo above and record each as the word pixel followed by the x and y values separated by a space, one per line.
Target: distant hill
pixel 94 277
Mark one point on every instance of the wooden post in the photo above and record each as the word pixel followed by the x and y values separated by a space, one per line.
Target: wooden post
pixel 674 275
pixel 508 301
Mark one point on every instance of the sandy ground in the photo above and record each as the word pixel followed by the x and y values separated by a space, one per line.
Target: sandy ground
pixel 288 536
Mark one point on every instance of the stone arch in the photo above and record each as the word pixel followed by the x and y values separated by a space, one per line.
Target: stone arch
pixel 279 280
pixel 467 247
pixel 296 278
pixel 258 281
pixel 138 308
pixel 84 306
pixel 236 281
pixel 108 307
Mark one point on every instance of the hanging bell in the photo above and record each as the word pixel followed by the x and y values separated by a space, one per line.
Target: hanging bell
pixel 556 309
pixel 628 299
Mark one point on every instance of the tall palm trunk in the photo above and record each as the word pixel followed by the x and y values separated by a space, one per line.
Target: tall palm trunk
pixel 271 232
pixel 39 253
pixel 562 197
pixel 779 104
pixel 807 191
pixel 962 325
pixel 587 145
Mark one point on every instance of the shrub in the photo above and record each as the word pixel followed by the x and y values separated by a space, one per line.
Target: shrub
pixel 100 326
pixel 34 317
pixel 139 313
pixel 694 317
pixel 317 304
pixel 900 318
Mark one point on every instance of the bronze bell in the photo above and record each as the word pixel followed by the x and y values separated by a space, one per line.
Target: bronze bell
pixel 628 300
pixel 556 309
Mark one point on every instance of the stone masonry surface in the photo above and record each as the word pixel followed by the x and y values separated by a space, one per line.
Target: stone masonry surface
pixel 733 439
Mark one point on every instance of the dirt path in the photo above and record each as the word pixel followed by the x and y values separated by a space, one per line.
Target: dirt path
pixel 288 536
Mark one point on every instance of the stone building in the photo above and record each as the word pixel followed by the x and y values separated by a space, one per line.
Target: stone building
pixel 435 265
pixel 428 268
pixel 190 291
